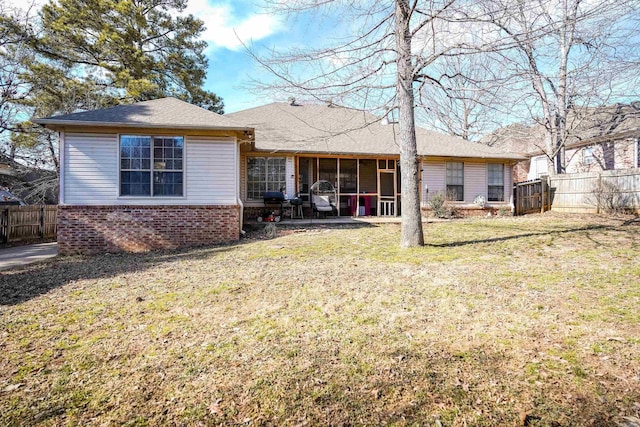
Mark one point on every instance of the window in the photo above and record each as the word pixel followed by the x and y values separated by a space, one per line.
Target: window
pixel 265 174
pixel 496 182
pixel 151 166
pixel 455 181
pixel 587 155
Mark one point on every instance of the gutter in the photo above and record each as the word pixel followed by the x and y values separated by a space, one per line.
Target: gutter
pixel 62 123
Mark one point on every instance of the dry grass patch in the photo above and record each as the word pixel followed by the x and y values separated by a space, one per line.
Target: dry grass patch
pixel 506 321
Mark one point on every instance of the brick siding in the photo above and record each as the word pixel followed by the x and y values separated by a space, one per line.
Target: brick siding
pixel 95 229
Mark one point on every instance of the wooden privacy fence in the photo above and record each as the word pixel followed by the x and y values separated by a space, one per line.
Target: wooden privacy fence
pixel 27 222
pixel 531 196
pixel 591 192
pixel 595 192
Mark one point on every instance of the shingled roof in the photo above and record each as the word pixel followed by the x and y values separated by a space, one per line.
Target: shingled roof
pixel 157 113
pixel 323 129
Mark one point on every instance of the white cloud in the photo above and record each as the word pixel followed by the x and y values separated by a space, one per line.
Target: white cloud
pixel 225 30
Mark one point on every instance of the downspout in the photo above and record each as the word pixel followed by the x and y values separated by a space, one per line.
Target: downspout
pixel 61 167
pixel 238 198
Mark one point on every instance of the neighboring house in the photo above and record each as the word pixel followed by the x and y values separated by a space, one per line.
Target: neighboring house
pixel 358 153
pixel 598 139
pixel 156 174
pixel 164 173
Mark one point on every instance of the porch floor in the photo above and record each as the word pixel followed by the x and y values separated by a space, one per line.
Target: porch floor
pixel 347 220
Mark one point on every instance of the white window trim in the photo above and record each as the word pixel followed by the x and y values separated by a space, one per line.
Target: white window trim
pixel 151 196
pixel 446 184
pixel 504 169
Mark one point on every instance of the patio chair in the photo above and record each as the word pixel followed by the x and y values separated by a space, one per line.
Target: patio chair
pixel 323 198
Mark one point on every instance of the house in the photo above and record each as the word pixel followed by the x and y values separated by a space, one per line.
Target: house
pixel 598 139
pixel 156 174
pixel 296 145
pixel 163 173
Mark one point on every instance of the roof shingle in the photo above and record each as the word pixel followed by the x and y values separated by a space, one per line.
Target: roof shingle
pixel 157 113
pixel 322 129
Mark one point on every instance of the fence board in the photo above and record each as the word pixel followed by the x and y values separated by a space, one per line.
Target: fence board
pixel 27 222
pixel 576 193
pixel 530 196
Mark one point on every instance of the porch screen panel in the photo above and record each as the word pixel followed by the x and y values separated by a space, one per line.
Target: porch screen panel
pixel 368 176
pixel 348 176
pixel 328 170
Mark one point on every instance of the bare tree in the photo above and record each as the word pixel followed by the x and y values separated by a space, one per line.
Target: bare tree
pixel 378 67
pixel 568 53
pixel 470 98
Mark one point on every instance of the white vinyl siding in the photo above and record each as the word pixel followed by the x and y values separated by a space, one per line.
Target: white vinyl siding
pixel 433 179
pixel 290 177
pixel 91 172
pixel 537 167
pixel 475 181
pixel 90 169
pixel 211 177
pixel 508 183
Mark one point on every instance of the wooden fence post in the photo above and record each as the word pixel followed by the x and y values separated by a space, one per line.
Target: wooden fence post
pixel 41 221
pixel 8 224
pixel 4 225
pixel 542 194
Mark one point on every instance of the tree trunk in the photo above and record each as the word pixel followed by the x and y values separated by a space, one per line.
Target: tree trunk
pixel 412 234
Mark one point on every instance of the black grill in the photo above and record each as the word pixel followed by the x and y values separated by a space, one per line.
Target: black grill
pixel 270 197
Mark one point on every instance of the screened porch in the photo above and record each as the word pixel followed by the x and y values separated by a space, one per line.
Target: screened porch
pixel 365 186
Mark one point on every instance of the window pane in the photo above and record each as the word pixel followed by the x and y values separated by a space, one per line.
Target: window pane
pixel 455 173
pixel 496 193
pixel 455 193
pixel 135 184
pixel 134 152
pixel 496 174
pixel 265 174
pixel 455 181
pixel 167 184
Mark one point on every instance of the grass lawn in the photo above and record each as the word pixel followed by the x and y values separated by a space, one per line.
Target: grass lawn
pixel 496 322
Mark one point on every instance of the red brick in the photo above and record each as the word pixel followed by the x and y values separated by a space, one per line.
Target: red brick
pixel 95 229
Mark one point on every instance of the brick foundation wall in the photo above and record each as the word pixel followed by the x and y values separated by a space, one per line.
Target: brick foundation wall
pixel 95 229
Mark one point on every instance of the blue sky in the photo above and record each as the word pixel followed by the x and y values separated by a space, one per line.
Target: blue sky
pixel 232 23
pixel 229 22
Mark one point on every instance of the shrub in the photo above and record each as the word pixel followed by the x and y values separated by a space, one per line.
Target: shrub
pixel 609 198
pixel 441 206
pixel 504 211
